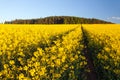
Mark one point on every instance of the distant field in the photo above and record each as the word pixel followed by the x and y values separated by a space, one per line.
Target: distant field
pixel 59 52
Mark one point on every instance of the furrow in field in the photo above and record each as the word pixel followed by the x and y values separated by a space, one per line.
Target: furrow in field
pixel 91 74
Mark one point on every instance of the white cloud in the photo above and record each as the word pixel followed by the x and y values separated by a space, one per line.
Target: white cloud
pixel 114 18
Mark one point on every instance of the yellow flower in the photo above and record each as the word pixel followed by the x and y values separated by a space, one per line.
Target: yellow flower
pixel 37 64
pixel 76 56
pixel 0 74
pixel 57 61
pixel 21 76
pixel 11 62
pixel 42 72
pixel 5 66
pixel 36 54
pixel 33 59
pixel 61 49
pixel 53 57
pixel 25 68
pixel 0 53
pixel 63 58
pixel 72 59
pixel 107 49
pixel 40 51
pixel 19 59
pixel 57 75
pixel 21 54
pixel 32 72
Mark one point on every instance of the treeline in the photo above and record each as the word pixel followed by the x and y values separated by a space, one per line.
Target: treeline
pixel 58 20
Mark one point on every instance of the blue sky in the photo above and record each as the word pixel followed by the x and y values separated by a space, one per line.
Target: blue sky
pixel 26 9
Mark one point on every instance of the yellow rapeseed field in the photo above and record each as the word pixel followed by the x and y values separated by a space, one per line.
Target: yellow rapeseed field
pixel 56 52
pixel 104 45
pixel 41 52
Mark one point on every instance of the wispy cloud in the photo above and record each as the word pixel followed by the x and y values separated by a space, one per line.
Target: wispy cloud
pixel 114 18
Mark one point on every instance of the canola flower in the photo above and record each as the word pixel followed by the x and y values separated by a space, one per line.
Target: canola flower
pixel 38 52
pixel 104 43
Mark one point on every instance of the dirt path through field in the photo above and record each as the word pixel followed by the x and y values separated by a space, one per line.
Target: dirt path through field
pixel 91 74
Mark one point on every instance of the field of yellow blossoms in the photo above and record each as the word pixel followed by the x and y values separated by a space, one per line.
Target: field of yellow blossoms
pixel 55 52
pixel 41 52
pixel 104 46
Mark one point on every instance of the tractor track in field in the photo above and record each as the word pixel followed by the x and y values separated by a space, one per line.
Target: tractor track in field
pixel 91 74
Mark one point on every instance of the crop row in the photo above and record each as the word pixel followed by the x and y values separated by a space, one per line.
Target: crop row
pixel 104 47
pixel 41 52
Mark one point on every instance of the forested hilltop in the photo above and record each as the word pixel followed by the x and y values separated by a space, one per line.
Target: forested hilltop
pixel 59 20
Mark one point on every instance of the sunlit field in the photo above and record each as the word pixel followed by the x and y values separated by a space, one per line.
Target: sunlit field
pixel 104 46
pixel 56 52
pixel 37 52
